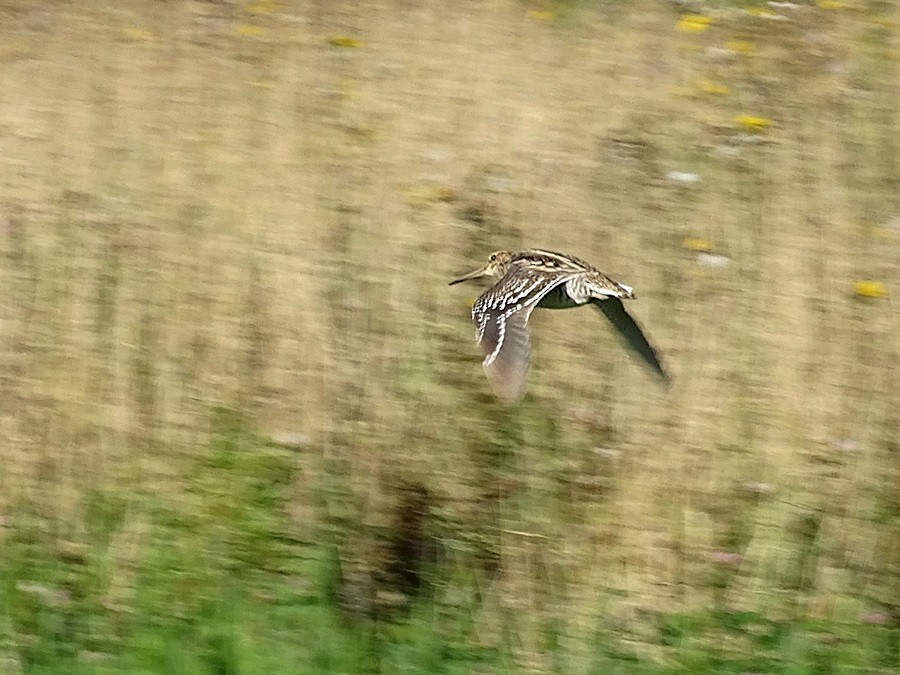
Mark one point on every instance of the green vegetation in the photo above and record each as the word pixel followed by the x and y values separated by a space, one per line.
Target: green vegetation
pixel 224 583
pixel 243 426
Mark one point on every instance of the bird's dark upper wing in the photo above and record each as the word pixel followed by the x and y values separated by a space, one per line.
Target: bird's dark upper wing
pixel 501 319
pixel 628 328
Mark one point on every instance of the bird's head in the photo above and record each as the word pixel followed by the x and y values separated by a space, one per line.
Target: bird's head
pixel 496 266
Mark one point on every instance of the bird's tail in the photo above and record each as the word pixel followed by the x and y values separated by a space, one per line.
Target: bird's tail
pixel 628 329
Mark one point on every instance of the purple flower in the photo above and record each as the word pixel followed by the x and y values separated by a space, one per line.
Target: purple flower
pixel 879 618
pixel 727 558
pixel 845 444
pixel 758 488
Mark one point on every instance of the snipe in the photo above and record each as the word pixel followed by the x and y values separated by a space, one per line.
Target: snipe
pixel 537 278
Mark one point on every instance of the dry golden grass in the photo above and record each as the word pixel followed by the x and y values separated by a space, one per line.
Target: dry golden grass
pixel 259 206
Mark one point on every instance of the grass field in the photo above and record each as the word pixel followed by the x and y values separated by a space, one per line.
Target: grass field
pixel 243 423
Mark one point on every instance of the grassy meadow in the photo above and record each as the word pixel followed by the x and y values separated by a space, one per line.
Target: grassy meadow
pixel 243 422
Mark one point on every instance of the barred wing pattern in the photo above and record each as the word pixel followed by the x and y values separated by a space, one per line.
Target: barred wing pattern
pixel 501 320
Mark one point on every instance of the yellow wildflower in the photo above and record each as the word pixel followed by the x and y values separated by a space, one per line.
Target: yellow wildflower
pixel 752 123
pixel 870 289
pixel 830 4
pixel 138 34
pixel 697 244
pixel 881 232
pixel 710 87
pixel 249 31
pixel 762 13
pixel 694 23
pixel 428 194
pixel 739 46
pixel 540 15
pixel 344 41
pixel 261 7
pixel 444 194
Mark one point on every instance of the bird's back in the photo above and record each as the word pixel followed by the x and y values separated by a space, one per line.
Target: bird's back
pixel 551 262
pixel 586 280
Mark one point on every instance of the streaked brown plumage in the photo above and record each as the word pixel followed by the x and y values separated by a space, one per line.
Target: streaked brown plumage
pixel 537 278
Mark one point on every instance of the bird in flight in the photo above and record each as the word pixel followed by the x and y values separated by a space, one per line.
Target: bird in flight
pixel 537 278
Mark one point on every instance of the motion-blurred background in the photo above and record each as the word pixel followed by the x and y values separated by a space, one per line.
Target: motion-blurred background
pixel 243 423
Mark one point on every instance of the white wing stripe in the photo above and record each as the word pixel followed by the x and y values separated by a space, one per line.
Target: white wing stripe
pixel 501 328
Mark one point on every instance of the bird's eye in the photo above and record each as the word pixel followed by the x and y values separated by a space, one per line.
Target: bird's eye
pixel 493 257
